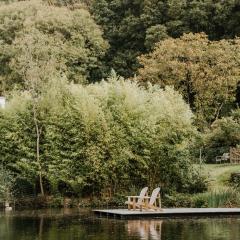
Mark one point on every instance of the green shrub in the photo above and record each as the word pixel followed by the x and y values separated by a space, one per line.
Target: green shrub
pixel 101 137
pixel 235 179
pixel 226 197
pixel 177 200
pixel 223 134
pixel 6 184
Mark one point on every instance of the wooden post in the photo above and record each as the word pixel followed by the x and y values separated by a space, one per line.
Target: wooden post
pixel 134 203
pixel 230 155
pixel 234 155
pixel 160 202
pixel 129 206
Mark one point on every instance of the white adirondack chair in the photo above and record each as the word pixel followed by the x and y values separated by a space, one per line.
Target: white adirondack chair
pixel 134 202
pixel 154 202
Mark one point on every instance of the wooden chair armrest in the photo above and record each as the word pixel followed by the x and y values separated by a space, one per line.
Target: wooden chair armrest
pixel 133 196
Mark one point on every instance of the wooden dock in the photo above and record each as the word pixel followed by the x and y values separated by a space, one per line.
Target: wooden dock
pixel 167 213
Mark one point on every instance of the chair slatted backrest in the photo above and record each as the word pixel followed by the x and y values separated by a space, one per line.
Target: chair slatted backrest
pixel 142 195
pixel 154 196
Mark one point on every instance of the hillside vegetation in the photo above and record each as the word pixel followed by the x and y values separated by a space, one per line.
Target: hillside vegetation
pixel 107 96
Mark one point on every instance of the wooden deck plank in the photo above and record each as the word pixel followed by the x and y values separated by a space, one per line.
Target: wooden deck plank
pixel 167 212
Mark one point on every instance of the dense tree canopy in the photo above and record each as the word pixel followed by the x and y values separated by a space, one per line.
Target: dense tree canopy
pixel 129 24
pixel 205 72
pixel 133 27
pixel 70 37
pixel 123 29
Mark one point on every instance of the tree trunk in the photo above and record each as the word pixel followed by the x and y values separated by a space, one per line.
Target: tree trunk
pixel 40 232
pixel 38 150
pixel 218 110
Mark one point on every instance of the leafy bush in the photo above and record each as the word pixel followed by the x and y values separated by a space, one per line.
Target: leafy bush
pixel 6 184
pixel 223 134
pixel 177 200
pixel 235 179
pixel 226 197
pixel 103 137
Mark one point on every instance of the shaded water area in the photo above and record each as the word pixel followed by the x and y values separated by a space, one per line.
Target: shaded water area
pixel 67 224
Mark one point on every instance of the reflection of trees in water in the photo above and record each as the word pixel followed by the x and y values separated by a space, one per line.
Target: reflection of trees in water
pixel 40 231
pixel 38 225
pixel 65 225
pixel 187 229
pixel 145 229
pixel 202 229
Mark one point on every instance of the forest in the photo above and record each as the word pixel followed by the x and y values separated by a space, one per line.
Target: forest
pixel 106 96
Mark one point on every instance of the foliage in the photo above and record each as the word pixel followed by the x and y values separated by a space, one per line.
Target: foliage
pixel 17 145
pixel 6 184
pixel 103 137
pixel 129 25
pixel 115 136
pixel 70 37
pixel 154 35
pixel 72 4
pixel 145 121
pixel 227 197
pixel 177 200
pixel 224 133
pixel 224 197
pixel 196 67
pixel 124 31
pixel 235 179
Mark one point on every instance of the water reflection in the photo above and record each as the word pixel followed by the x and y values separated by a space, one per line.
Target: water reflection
pixel 69 224
pixel 52 224
pixel 145 229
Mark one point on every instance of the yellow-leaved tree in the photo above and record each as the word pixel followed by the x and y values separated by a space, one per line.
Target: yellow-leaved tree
pixel 205 72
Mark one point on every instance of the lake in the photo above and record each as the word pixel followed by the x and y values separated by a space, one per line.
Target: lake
pixel 68 224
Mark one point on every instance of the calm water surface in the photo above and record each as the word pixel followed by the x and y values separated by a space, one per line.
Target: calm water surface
pixel 78 224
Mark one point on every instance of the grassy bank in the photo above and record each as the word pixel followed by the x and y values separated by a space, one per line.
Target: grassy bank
pixel 219 174
pixel 221 192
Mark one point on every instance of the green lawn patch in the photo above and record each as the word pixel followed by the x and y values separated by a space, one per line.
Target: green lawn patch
pixel 219 174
